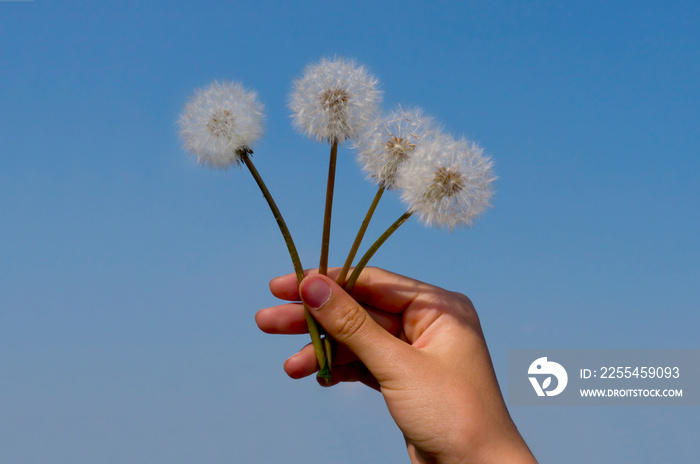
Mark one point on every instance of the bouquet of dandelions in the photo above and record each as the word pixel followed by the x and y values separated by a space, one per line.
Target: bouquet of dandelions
pixel 445 181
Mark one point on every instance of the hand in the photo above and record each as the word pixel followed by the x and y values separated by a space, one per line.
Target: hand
pixel 421 346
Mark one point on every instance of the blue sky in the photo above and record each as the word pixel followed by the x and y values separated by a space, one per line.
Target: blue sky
pixel 129 276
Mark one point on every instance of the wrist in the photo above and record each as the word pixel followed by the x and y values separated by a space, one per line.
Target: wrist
pixel 514 452
pixel 510 453
pixel 508 448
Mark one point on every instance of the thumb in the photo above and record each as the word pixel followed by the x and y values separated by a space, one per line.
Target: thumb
pixel 346 320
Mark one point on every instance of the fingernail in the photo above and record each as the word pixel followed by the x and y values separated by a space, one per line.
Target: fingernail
pixel 315 293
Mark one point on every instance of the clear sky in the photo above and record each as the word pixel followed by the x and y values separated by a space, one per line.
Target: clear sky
pixel 129 276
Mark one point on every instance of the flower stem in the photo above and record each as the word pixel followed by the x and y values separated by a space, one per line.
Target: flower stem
pixel 360 235
pixel 326 238
pixel 298 269
pixel 373 249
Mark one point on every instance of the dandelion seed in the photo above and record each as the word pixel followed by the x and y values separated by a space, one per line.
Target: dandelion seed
pixel 389 141
pixel 219 121
pixel 447 182
pixel 334 100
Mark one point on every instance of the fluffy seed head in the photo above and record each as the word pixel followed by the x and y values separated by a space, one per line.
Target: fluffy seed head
pixel 389 141
pixel 334 100
pixel 447 182
pixel 220 121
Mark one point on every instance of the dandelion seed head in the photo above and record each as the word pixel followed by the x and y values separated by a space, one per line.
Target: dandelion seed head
pixel 220 121
pixel 334 100
pixel 390 140
pixel 447 182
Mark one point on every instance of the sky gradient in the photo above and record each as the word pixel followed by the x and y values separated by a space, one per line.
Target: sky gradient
pixel 129 276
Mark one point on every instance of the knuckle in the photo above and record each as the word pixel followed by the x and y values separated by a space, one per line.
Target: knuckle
pixel 351 320
pixel 465 309
pixel 458 306
pixel 464 302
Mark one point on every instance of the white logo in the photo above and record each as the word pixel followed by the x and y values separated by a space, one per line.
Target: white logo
pixel 543 367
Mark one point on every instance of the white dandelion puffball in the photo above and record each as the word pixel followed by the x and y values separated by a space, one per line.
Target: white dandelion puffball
pixel 391 140
pixel 219 121
pixel 334 100
pixel 447 182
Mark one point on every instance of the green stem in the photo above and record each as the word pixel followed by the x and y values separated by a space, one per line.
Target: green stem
pixel 298 269
pixel 278 216
pixel 360 235
pixel 326 238
pixel 373 249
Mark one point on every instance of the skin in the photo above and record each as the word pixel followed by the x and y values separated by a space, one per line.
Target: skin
pixel 421 346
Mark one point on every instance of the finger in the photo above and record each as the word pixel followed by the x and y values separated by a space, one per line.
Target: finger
pixel 351 372
pixel 290 319
pixel 302 363
pixel 375 287
pixel 346 320
pixel 346 368
pixel 286 287
pixel 283 319
pixel 389 291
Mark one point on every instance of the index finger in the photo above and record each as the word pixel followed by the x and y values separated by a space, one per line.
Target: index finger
pixel 375 287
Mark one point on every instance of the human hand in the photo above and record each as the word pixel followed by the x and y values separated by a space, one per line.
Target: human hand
pixel 421 346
